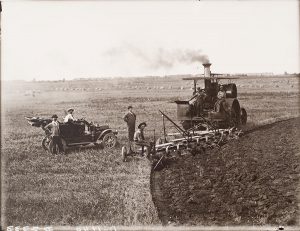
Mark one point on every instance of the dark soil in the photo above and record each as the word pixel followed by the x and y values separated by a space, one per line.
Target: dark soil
pixel 250 181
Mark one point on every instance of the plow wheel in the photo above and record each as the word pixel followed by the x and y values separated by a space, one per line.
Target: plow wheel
pixel 124 153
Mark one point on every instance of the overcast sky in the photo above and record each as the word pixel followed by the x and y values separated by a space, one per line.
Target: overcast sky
pixel 49 40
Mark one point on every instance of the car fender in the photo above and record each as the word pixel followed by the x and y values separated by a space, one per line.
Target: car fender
pixel 104 132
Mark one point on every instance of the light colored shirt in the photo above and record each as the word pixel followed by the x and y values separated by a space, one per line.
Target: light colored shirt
pixel 139 135
pixel 221 95
pixel 54 127
pixel 69 117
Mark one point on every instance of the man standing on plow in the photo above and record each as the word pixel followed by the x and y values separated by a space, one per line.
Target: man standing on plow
pixel 130 119
pixel 53 128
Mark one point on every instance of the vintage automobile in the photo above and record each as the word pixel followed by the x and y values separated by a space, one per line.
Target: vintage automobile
pixel 77 133
pixel 230 113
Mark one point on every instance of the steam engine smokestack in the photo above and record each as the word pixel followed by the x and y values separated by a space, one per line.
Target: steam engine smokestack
pixel 206 69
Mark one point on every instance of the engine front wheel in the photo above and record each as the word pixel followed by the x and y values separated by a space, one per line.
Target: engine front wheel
pixel 109 140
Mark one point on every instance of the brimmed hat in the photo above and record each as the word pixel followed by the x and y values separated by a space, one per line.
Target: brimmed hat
pixel 129 107
pixel 54 116
pixel 142 124
pixel 70 109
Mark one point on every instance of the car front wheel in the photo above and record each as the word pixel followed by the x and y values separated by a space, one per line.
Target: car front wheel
pixel 109 140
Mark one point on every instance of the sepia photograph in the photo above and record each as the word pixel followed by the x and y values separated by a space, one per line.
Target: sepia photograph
pixel 150 115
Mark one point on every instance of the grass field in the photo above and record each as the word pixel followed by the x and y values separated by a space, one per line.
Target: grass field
pixel 89 185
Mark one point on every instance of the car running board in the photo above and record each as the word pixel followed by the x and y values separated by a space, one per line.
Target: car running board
pixel 81 143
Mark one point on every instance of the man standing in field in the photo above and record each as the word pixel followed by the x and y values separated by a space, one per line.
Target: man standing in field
pixel 130 119
pixel 53 128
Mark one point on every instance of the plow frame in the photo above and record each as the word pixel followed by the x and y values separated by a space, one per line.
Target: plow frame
pixel 193 141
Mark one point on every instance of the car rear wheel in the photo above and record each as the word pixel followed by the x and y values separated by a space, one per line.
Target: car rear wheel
pixel 45 143
pixel 109 140
pixel 56 149
pixel 52 149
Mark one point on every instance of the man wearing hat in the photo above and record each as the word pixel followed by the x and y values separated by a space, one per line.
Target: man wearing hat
pixel 221 99
pixel 53 128
pixel 139 138
pixel 221 93
pixel 70 116
pixel 130 119
pixel 197 101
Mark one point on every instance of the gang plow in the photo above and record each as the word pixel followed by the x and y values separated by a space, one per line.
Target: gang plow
pixel 192 141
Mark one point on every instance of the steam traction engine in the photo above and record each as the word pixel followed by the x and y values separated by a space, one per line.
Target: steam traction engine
pixel 229 114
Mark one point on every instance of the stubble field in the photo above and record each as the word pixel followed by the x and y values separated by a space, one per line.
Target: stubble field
pixel 90 185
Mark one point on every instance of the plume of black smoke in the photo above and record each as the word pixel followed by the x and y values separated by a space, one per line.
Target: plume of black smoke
pixel 160 58
pixel 165 58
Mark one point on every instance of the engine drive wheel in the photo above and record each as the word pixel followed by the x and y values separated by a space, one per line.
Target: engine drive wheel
pixel 234 118
pixel 243 116
pixel 109 140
